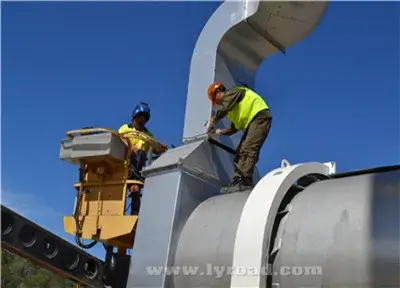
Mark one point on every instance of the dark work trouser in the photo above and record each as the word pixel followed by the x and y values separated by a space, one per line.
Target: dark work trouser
pixel 138 160
pixel 248 151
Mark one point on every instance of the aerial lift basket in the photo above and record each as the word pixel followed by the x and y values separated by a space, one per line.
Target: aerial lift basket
pixel 100 206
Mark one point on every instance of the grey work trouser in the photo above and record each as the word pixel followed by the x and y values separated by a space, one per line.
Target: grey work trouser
pixel 248 151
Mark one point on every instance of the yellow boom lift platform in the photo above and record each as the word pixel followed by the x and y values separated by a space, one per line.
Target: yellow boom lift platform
pixel 104 157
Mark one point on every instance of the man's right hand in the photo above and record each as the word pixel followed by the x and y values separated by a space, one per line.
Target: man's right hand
pixel 210 125
pixel 163 148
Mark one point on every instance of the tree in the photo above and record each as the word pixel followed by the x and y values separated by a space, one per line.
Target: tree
pixel 17 272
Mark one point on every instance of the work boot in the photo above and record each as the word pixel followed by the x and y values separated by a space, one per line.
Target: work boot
pixel 238 184
pixel 234 182
pixel 247 182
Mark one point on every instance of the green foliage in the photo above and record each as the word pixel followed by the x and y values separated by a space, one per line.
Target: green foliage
pixel 17 272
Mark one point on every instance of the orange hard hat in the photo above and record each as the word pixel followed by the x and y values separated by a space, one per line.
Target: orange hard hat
pixel 212 89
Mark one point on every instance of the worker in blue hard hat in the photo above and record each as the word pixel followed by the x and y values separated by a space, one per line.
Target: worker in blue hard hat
pixel 249 113
pixel 140 149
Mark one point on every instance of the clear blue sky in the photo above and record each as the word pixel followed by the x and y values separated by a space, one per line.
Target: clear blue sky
pixel 334 96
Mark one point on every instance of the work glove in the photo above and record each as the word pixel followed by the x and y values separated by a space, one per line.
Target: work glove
pixel 218 132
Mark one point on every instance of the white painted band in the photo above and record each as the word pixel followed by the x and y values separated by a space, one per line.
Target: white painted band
pixel 257 218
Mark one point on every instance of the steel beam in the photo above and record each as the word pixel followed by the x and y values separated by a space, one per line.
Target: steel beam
pixel 33 242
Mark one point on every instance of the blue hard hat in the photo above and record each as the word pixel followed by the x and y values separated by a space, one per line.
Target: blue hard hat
pixel 142 109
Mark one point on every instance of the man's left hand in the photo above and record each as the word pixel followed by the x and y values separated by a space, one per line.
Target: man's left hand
pixel 134 188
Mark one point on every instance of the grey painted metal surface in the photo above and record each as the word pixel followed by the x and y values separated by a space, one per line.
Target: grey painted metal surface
pixel 217 221
pixel 348 229
pixel 233 44
pixel 184 177
pixel 207 241
pixel 342 233
pixel 87 146
pixel 176 183
pixel 207 66
pixel 259 216
pixel 235 41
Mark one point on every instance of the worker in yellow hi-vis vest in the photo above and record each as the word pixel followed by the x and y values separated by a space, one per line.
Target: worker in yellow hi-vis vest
pixel 140 117
pixel 249 113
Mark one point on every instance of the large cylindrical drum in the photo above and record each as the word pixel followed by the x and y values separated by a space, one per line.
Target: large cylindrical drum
pixel 337 233
pixel 341 233
pixel 205 246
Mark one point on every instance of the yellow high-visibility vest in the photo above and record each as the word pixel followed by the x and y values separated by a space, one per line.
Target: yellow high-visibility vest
pixel 135 142
pixel 244 111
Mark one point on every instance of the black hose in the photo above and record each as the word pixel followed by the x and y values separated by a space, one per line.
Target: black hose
pixel 80 243
pixel 79 195
pixel 382 169
pixel 222 146
pixel 78 239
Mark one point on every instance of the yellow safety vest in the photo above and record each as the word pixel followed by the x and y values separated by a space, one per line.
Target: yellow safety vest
pixel 244 111
pixel 138 143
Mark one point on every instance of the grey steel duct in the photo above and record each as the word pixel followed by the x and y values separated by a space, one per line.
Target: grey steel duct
pixel 234 42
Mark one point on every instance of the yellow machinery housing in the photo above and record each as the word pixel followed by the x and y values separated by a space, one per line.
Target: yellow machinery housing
pixel 100 208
